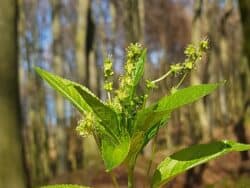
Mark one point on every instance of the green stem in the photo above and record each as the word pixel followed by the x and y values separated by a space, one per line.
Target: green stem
pixel 162 77
pixel 109 96
pixel 152 153
pixel 114 180
pixel 181 81
pixel 131 175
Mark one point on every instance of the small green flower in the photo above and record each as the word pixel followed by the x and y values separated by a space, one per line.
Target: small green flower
pixel 115 104
pixel 139 100
pixel 188 65
pixel 129 68
pixel 204 45
pixel 86 126
pixel 177 68
pixel 108 86
pixel 134 51
pixel 108 71
pixel 122 95
pixel 191 52
pixel 150 84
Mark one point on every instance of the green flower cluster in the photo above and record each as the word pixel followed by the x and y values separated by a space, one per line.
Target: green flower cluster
pixel 150 84
pixel 86 126
pixel 193 53
pixel 134 51
pixel 108 73
pixel 126 100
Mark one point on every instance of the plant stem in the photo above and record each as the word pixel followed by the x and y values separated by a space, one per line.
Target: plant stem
pixel 182 79
pixel 109 96
pixel 154 144
pixel 162 77
pixel 114 180
pixel 131 175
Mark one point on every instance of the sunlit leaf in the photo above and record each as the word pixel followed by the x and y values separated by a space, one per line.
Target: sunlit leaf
pixel 114 154
pixel 149 117
pixel 190 157
pixel 149 120
pixel 106 114
pixel 64 87
pixel 185 96
pixel 115 147
pixel 139 69
pixel 137 72
pixel 147 124
pixel 155 128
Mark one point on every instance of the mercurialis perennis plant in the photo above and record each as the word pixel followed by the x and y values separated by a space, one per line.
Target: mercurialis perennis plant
pixel 125 122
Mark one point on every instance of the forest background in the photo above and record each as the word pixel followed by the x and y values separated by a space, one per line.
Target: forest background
pixel 38 142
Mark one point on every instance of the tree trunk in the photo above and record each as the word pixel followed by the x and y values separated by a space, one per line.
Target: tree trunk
pixel 81 30
pixel 132 20
pixel 240 130
pixel 87 69
pixel 244 6
pixel 199 121
pixel 11 160
pixel 59 68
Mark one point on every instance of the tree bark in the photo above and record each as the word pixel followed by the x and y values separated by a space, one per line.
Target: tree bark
pixel 244 6
pixel 11 160
pixel 199 120
pixel 80 40
pixel 132 20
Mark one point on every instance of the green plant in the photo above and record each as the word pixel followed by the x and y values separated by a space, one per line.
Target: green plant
pixel 124 124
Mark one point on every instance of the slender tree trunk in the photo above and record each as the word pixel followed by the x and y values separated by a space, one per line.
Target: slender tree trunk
pixel 81 30
pixel 59 68
pixel 91 66
pixel 11 160
pixel 244 6
pixel 199 120
pixel 87 68
pixel 240 130
pixel 132 20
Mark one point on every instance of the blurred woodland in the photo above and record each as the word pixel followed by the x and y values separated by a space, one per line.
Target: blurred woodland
pixel 38 142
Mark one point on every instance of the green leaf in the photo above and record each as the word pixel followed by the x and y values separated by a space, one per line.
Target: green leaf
pixel 114 154
pixel 137 143
pixel 64 186
pixel 147 124
pixel 139 69
pixel 106 114
pixel 137 73
pixel 154 129
pixel 64 87
pixel 192 156
pixel 149 117
pixel 115 146
pixel 185 96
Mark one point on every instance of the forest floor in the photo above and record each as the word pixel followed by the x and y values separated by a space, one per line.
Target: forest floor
pixel 226 172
